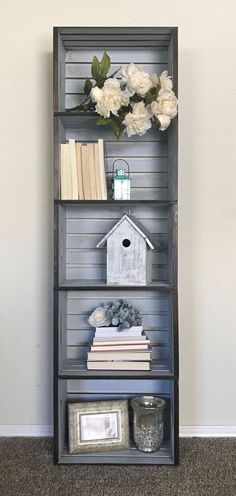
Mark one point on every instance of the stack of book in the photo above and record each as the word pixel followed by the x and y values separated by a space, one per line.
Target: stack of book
pixel 83 171
pixel 114 350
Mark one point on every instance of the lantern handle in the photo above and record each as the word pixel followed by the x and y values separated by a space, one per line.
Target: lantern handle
pixel 122 160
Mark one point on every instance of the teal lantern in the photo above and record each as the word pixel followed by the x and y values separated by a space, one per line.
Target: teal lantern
pixel 121 181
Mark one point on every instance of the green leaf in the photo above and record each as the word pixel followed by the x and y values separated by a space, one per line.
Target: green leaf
pixel 102 121
pixel 105 65
pixel 115 124
pixel 96 69
pixel 150 96
pixel 136 98
pixel 88 86
pixel 156 121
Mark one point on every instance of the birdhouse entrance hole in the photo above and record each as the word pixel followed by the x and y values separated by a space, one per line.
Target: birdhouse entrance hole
pixel 126 243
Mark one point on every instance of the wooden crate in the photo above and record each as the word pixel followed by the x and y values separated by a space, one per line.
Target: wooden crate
pixel 80 269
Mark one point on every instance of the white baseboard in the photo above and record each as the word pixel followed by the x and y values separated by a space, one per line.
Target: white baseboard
pixel 26 431
pixel 208 431
pixel 185 431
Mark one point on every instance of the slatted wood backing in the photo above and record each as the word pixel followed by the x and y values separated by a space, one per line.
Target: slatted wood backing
pixel 77 334
pixel 147 155
pixel 84 226
pixel 96 390
pixel 78 67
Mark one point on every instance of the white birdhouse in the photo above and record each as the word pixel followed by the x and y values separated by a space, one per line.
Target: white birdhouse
pixel 129 251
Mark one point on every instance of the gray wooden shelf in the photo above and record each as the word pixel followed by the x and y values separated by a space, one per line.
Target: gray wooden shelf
pixel 131 456
pixel 80 269
pixel 73 369
pixel 76 285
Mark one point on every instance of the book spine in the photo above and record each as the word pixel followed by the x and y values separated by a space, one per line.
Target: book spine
pixel 102 169
pixel 85 173
pixel 74 179
pixel 79 171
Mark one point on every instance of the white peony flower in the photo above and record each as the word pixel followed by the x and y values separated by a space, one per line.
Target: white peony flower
pixel 166 81
pixel 98 318
pixel 163 80
pixel 96 94
pixel 138 121
pixel 166 103
pixel 164 121
pixel 109 98
pixel 137 79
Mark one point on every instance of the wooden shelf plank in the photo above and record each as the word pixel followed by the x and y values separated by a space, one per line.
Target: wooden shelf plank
pixel 75 285
pixel 132 455
pixel 72 369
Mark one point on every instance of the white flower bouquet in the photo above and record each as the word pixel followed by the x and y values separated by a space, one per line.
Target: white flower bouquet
pixel 131 104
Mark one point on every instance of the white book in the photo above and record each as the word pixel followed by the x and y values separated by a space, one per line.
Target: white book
pixel 118 365
pixel 121 339
pixel 113 331
pixel 73 165
pixel 97 356
pixel 120 347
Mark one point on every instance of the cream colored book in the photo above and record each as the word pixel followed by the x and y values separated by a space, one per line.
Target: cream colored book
pixel 65 172
pixel 97 172
pixel 85 172
pixel 78 149
pixel 118 365
pixel 120 339
pixel 91 167
pixel 96 356
pixel 73 170
pixel 120 347
pixel 102 169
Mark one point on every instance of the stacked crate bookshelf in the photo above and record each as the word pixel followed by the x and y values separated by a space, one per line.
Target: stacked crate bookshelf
pixel 80 269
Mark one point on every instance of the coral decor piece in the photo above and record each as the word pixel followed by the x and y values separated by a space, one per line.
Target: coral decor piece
pixel 118 313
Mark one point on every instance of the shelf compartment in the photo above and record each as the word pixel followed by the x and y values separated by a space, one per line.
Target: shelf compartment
pixel 147 155
pixel 72 369
pixel 82 227
pixel 111 389
pixel 74 333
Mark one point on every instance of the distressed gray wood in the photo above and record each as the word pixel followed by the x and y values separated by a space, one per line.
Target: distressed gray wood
pixel 119 57
pixel 84 261
pixel 153 164
pixel 127 261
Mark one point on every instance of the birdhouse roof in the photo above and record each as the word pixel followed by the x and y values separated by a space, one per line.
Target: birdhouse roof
pixel 136 224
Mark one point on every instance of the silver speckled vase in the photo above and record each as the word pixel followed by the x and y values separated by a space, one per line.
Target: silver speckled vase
pixel 148 422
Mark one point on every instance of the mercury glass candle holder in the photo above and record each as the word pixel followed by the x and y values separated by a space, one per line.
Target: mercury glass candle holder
pixel 148 424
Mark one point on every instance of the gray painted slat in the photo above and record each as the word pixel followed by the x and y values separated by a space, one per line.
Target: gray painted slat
pixel 98 272
pixel 84 129
pixel 81 352
pixel 91 240
pixel 77 73
pixel 125 386
pixel 154 321
pixel 84 338
pixel 119 56
pixel 84 226
pixel 116 44
pixel 109 37
pixel 99 257
pixel 115 212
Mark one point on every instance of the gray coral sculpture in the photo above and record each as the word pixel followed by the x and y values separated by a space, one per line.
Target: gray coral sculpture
pixel 118 313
